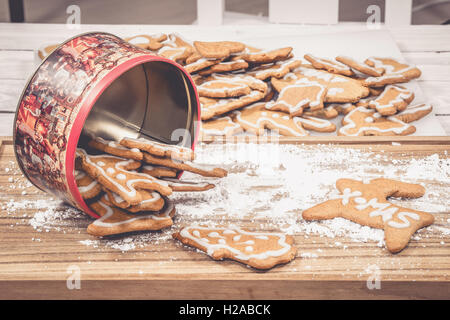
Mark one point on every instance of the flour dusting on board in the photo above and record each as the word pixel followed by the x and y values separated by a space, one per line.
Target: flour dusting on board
pixel 269 185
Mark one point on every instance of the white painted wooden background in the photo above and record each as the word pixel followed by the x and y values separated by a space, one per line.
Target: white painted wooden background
pixel 426 46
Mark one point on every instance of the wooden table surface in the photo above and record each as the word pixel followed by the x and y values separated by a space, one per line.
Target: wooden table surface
pixel 35 264
pixel 428 47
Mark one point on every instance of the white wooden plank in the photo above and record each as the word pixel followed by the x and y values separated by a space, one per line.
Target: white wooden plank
pixel 16 65
pixel 210 12
pixel 10 91
pixel 6 124
pixel 423 58
pixel 398 12
pixel 304 11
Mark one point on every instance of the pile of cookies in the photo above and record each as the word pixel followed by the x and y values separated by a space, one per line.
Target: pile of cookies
pixel 243 88
pixel 127 183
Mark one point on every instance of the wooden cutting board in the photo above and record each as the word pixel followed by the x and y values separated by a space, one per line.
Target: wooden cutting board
pixel 37 265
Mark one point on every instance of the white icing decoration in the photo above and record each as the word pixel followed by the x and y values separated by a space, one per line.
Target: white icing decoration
pixel 121 176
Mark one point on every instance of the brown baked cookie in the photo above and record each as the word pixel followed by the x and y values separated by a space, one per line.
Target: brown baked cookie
pixel 218 49
pixel 116 221
pixel 393 99
pixel 328 65
pixel 159 172
pixel 184 185
pixel 201 169
pixel 262 57
pixel 200 64
pixel 296 96
pixel 255 118
pixel 111 147
pixel 328 112
pixel 215 107
pixel 176 48
pixel 415 112
pixel 223 127
pixel 149 42
pixel 364 202
pixel 88 187
pixel 276 70
pixel 159 149
pixel 260 250
pixel 115 174
pixel 367 122
pixel 361 67
pixel 317 124
pixel 395 72
pixel 342 108
pixel 225 66
pixel 229 86
pixel 151 201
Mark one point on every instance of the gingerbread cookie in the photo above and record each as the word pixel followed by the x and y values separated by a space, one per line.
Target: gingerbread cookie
pixel 413 113
pixel 184 185
pixel 293 98
pixel 343 108
pixel 256 249
pixel 45 50
pixel 225 66
pixel 395 72
pixel 271 56
pixel 276 70
pixel 367 122
pixel 116 221
pixel 115 175
pixel 364 202
pixel 176 48
pixel 201 169
pixel 159 149
pixel 317 124
pixel 361 67
pixel 218 50
pixel 340 89
pixel 393 99
pixel 115 149
pixel 199 64
pixel 328 112
pixel 159 172
pixel 328 65
pixel 221 86
pixel 149 42
pixel 88 187
pixel 223 127
pixel 256 118
pixel 151 201
pixel 214 107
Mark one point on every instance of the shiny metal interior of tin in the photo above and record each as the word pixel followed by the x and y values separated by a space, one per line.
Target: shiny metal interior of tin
pixel 154 100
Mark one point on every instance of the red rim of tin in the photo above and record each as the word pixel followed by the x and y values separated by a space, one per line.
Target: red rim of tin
pixel 86 107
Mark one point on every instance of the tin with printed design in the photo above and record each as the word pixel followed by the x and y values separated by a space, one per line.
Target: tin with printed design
pixel 97 84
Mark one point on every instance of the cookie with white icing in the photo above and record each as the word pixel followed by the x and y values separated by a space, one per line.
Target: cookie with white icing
pixel 216 107
pixel 269 56
pixel 294 97
pixel 395 72
pixel 368 122
pixel 151 201
pixel 149 42
pixel 116 221
pixel 185 165
pixel 229 86
pixel 159 149
pixel 220 127
pixel 329 65
pixel 415 112
pixel 360 66
pixel 112 147
pixel 342 108
pixel 317 124
pixel 88 187
pixel 260 250
pixel 225 66
pixel 255 118
pixel 276 70
pixel 328 112
pixel 176 48
pixel 392 100
pixel 365 202
pixel 115 174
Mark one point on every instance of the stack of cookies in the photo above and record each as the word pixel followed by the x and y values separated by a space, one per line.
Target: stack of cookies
pixel 128 183
pixel 243 88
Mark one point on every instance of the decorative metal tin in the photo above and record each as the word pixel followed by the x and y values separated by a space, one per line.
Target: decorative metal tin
pixel 98 84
